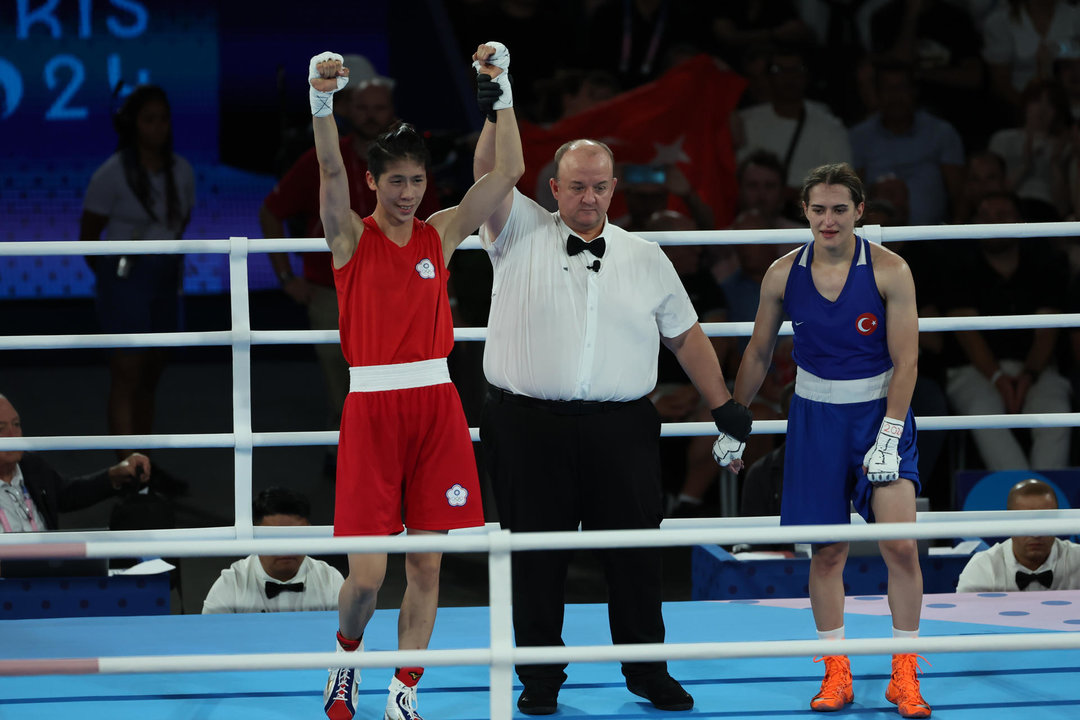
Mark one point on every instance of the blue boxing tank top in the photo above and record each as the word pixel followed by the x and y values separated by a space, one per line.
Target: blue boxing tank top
pixel 843 339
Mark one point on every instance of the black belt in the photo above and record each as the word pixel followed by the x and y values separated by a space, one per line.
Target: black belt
pixel 558 407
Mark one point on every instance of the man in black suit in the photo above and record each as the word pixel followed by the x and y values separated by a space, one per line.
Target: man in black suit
pixel 33 494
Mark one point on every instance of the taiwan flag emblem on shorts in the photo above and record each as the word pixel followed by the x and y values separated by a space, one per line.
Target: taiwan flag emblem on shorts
pixel 457 495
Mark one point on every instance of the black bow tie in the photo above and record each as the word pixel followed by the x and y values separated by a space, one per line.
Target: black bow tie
pixel 1023 579
pixel 575 245
pixel 274 589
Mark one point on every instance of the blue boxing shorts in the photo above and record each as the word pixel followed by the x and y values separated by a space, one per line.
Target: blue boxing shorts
pixel 823 459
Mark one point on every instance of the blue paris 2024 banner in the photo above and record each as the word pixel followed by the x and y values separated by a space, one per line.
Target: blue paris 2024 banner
pixel 239 66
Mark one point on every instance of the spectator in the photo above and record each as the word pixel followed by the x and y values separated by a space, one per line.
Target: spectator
pixel 1037 154
pixel 527 27
pixel 1025 562
pixel 1020 38
pixel 940 40
pixel 631 38
pixel 570 91
pixel 760 178
pixel 803 133
pixel 33 494
pixel 1009 371
pixel 143 192
pixel 649 189
pixel 904 141
pixel 276 583
pixel 1067 73
pixel 742 290
pixel 366 109
pixel 984 174
pixel 887 205
pixel 686 462
pixel 738 27
pixel 763 485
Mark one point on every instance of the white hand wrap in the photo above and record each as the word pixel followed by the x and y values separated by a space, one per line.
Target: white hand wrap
pixel 883 461
pixel 726 449
pixel 500 59
pixel 322 103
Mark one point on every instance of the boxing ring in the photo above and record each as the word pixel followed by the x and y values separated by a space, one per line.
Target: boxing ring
pixel 740 659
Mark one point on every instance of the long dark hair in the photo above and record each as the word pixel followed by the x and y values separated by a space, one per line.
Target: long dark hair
pixel 126 123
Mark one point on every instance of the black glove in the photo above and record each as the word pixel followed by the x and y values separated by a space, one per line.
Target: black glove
pixel 487 92
pixel 733 419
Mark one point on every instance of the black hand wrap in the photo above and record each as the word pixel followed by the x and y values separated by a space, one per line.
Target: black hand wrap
pixel 733 419
pixel 487 92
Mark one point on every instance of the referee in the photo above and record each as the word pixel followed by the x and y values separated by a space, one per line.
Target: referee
pixel 570 438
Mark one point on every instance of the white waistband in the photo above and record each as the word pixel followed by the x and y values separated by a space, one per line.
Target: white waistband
pixel 841 392
pixel 375 378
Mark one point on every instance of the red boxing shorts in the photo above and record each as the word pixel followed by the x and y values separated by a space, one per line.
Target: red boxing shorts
pixel 405 455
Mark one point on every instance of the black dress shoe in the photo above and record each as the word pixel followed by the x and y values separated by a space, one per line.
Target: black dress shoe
pixel 662 690
pixel 538 700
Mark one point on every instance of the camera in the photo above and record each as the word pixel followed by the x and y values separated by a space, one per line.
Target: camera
pixel 644 174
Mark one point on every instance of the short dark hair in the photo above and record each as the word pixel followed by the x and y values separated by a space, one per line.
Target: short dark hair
pixel 834 174
pixel 1010 197
pixel 989 155
pixel 1030 488
pixel 1055 93
pixel 398 143
pixel 279 501
pixel 762 158
pixel 889 66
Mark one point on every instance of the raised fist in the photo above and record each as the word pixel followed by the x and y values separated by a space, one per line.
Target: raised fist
pixel 326 75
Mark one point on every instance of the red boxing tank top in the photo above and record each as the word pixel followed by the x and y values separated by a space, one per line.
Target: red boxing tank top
pixel 392 300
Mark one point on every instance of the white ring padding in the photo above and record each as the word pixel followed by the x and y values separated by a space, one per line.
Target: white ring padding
pixel 1045 522
pixel 640 652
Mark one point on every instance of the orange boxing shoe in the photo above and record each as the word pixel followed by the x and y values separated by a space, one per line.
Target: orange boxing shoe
pixel 903 690
pixel 836 690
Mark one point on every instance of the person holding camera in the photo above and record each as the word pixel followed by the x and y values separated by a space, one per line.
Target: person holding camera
pixel 33 494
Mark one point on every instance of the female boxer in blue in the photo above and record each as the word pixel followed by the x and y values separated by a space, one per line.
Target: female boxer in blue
pixel 850 435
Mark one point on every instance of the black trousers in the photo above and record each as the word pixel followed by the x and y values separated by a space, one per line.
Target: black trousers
pixel 554 465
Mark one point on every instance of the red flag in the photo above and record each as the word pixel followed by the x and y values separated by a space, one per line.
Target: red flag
pixel 679 119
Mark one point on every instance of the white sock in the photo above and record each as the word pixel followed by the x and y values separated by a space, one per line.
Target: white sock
pixel 837 634
pixel 688 499
pixel 897 633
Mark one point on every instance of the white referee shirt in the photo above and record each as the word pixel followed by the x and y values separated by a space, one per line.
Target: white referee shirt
pixel 994 570
pixel 241 588
pixel 560 331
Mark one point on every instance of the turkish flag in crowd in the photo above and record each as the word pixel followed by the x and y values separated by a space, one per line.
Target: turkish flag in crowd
pixel 679 119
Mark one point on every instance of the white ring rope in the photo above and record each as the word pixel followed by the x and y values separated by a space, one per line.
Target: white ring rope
pixel 1033 521
pixel 228 532
pixel 1052 522
pixel 208 338
pixel 330 437
pixel 1011 642
pixel 875 233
